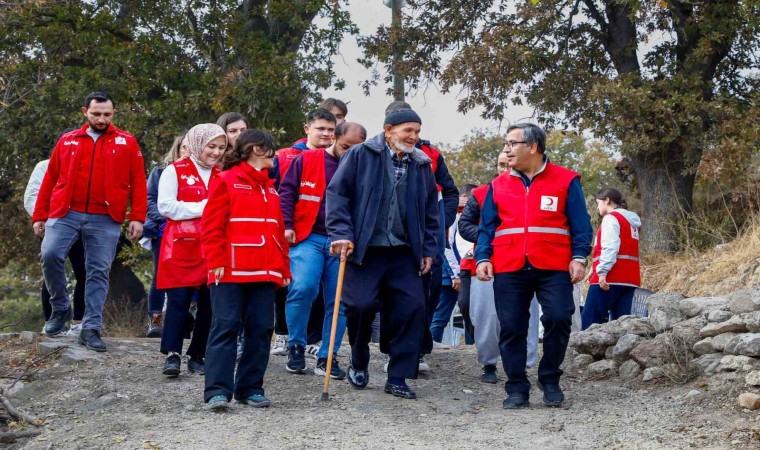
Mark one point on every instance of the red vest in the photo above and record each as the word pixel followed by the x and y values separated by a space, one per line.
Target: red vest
pixel 248 227
pixel 626 269
pixel 433 154
pixel 310 194
pixel 181 263
pixel 533 221
pixel 285 157
pixel 469 263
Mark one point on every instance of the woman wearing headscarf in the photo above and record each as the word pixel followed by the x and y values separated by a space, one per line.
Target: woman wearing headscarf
pixel 182 196
pixel 247 260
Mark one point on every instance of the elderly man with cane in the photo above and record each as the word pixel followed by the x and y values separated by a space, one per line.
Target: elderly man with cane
pixel 382 213
pixel 535 235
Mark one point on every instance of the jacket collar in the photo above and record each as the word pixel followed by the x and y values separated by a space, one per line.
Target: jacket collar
pixel 377 144
pixel 83 131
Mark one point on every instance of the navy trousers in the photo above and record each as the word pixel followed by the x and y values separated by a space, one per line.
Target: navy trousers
pixel 387 281
pixel 513 292
pixel 236 305
pixel 601 305
pixel 177 304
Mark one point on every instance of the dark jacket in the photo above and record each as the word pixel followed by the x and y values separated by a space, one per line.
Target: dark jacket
pixel 355 192
pixel 449 190
pixel 469 221
pixel 154 219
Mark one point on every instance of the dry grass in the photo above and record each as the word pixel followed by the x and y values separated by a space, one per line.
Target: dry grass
pixel 124 318
pixel 719 271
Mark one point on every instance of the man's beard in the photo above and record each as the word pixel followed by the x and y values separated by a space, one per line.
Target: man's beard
pixel 96 127
pixel 402 147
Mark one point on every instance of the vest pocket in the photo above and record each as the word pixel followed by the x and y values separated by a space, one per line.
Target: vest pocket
pixel 186 248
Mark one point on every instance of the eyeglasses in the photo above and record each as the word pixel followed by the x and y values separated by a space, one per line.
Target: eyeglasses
pixel 511 144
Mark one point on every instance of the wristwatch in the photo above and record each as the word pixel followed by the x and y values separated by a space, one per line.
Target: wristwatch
pixel 583 261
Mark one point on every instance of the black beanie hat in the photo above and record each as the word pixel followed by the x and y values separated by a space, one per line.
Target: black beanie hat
pixel 402 116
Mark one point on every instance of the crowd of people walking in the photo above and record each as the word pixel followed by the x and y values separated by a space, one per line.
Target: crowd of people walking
pixel 247 241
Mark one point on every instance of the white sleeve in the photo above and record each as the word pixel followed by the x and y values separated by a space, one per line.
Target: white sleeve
pixel 610 244
pixel 33 186
pixel 167 203
pixel 452 260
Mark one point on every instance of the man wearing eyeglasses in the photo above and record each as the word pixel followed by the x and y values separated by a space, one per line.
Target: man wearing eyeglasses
pixel 534 237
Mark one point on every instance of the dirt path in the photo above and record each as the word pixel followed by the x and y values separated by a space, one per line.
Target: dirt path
pixel 122 401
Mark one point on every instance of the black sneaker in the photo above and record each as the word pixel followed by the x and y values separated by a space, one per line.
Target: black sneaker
pixel 516 401
pixel 489 374
pixel 90 338
pixel 399 391
pixel 336 373
pixel 358 378
pixel 553 395
pixel 172 365
pixel 58 322
pixel 296 360
pixel 196 365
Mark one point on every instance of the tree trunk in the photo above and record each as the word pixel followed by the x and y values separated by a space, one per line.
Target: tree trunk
pixel 123 284
pixel 666 192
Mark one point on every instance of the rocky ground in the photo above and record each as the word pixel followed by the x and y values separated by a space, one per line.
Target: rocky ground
pixel 120 400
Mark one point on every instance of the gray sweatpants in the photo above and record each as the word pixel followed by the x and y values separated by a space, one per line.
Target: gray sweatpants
pixel 486 324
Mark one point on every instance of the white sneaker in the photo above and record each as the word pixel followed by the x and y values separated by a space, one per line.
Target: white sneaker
pixel 423 367
pixel 75 330
pixel 312 350
pixel 280 345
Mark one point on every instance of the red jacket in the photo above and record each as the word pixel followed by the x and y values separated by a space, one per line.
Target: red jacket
pixel 626 269
pixel 286 156
pixel 242 228
pixel 533 221
pixel 181 263
pixel 311 193
pixel 96 178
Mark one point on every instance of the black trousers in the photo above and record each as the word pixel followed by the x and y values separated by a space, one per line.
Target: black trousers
pixel 432 284
pixel 463 300
pixel 177 304
pixel 236 305
pixel 513 292
pixel 77 258
pixel 394 272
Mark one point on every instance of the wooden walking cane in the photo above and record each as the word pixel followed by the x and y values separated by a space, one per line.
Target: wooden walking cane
pixel 336 311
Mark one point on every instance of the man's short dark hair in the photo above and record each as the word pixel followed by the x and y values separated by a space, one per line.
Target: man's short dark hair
pixel 330 103
pixel 395 106
pixel 320 113
pixel 531 133
pixel 98 97
pixel 467 189
pixel 346 128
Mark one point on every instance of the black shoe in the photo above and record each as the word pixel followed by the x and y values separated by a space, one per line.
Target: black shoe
pixel 516 401
pixel 399 391
pixel 196 365
pixel 489 374
pixel 296 360
pixel 553 395
pixel 358 378
pixel 58 322
pixel 91 339
pixel 172 365
pixel 336 373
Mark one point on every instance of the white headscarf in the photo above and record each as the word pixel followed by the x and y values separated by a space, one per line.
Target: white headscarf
pixel 198 138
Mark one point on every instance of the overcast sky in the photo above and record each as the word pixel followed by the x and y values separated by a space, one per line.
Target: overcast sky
pixel 441 123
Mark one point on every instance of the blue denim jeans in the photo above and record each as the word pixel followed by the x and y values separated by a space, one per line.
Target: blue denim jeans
pixel 443 312
pixel 310 265
pixel 100 236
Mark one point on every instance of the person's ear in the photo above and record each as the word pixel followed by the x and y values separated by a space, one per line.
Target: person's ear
pixel 84 111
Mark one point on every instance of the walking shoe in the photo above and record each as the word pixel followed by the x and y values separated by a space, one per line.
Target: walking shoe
pixel 400 391
pixel 280 345
pixel 57 322
pixel 312 350
pixel 256 401
pixel 196 365
pixel 489 374
pixel 172 365
pixel 423 367
pixel 218 403
pixel 358 378
pixel 155 326
pixel 296 361
pixel 75 330
pixel 336 373
pixel 553 395
pixel 90 338
pixel 516 401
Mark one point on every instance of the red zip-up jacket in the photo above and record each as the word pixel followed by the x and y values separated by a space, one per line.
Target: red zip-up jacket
pixel 96 178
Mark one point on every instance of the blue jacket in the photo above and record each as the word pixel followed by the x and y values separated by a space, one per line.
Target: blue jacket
pixel 355 192
pixel 154 221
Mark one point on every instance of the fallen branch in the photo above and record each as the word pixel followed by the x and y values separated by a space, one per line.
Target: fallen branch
pixel 13 436
pixel 2 327
pixel 18 415
pixel 36 361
